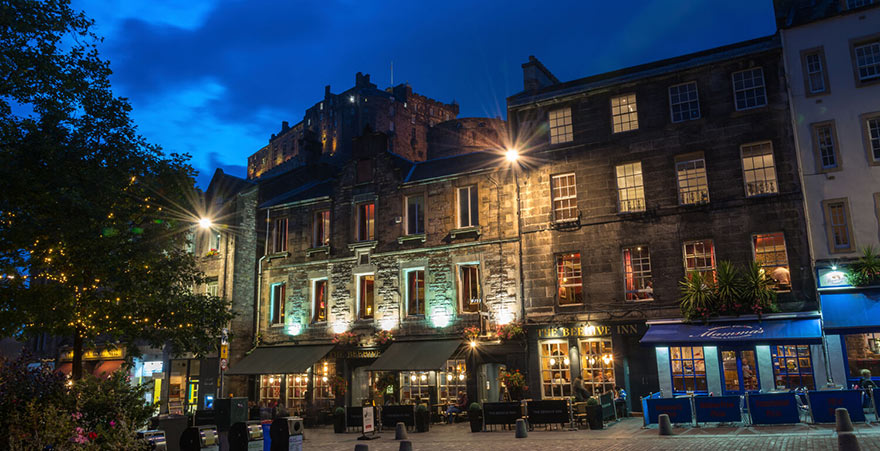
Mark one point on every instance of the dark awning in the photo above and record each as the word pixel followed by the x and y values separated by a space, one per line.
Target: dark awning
pixel 852 312
pixel 416 356
pixel 280 360
pixel 802 331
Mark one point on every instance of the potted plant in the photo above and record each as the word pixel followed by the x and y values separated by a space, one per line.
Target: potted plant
pixel 514 382
pixel 339 420
pixel 758 291
pixel 475 417
pixel 697 297
pixel 423 418
pixel 594 414
pixel 346 339
pixel 866 270
pixel 510 331
pixel 728 288
pixel 383 337
pixel 471 333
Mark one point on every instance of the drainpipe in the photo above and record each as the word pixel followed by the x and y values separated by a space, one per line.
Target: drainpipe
pixel 260 283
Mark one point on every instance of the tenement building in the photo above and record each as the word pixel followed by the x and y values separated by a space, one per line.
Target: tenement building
pixel 636 181
pixel 832 60
pixel 371 271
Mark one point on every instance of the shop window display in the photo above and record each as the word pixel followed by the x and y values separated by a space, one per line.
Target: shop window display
pixel 452 381
pixel 296 392
pixel 323 372
pixel 270 388
pixel 792 366
pixel 688 369
pixel 415 386
pixel 863 353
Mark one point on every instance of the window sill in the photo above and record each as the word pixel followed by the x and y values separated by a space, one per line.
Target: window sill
pixel 414 237
pixel 276 325
pixel 317 250
pixel 362 245
pixel 464 231
pixel 580 304
pixel 566 223
pixel 413 318
pixel 640 300
pixel 762 195
pixel 275 255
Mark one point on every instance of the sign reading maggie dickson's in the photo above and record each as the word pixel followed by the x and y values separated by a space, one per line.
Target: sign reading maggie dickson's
pixel 588 329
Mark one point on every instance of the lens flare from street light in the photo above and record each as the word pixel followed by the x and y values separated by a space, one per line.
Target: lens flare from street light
pixel 511 155
pixel 205 223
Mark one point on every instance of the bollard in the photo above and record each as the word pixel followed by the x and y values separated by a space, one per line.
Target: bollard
pixel 847 441
pixel 664 424
pixel 361 447
pixel 400 432
pixel 841 416
pixel 521 430
pixel 405 445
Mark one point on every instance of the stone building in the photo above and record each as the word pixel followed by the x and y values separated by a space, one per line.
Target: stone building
pixel 327 128
pixel 420 250
pixel 635 178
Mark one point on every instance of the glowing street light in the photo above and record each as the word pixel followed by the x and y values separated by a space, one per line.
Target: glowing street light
pixel 205 223
pixel 511 155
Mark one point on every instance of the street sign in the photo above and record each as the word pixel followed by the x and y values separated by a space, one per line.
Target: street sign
pixel 224 351
pixel 224 364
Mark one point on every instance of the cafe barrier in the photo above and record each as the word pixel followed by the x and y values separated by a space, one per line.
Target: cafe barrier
pixel 823 404
pixel 501 412
pixel 678 409
pixel 548 412
pixel 391 415
pixel 354 417
pixel 773 408
pixel 717 409
pixel 645 406
pixel 606 400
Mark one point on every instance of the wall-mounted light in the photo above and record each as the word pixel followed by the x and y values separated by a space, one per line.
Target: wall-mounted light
pixel 340 327
pixel 294 329
pixel 388 323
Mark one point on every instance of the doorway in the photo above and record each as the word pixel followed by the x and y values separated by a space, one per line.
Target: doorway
pixel 739 371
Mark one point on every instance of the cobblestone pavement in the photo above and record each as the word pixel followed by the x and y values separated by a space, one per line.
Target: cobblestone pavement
pixel 625 435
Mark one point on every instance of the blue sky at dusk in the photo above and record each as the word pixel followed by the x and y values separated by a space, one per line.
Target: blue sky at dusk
pixel 214 78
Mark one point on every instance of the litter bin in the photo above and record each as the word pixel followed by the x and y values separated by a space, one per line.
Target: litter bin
pixel 267 435
pixel 173 426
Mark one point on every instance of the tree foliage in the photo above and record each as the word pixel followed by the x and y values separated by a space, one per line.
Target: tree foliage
pixel 92 217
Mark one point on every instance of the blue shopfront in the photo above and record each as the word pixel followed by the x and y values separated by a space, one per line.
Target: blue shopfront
pixel 738 356
pixel 851 319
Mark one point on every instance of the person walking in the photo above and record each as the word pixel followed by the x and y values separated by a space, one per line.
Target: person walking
pixel 580 391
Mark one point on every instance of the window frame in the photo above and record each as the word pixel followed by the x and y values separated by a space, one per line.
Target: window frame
pixel 473 204
pixel 360 298
pixel 640 188
pixel 280 240
pixel 370 225
pixel 564 387
pixel 559 260
pixel 567 133
pixel 212 286
pixel 805 71
pixel 569 198
pixel 814 134
pixel 710 270
pixel 866 134
pixel 742 158
pixel 784 249
pixel 735 91
pixel 602 363
pixel 692 158
pixel 774 362
pixel 421 307
pixel 459 289
pixel 633 110
pixel 420 229
pixel 684 375
pixel 649 279
pixel 276 308
pixel 321 226
pixel 827 204
pixel 313 319
pixel 859 42
pixel 671 104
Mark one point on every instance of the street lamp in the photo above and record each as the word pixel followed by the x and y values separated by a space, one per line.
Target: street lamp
pixel 511 155
pixel 205 223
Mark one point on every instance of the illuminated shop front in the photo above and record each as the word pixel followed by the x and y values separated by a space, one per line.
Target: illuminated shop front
pixel 851 318
pixel 424 372
pixel 192 384
pixel 291 390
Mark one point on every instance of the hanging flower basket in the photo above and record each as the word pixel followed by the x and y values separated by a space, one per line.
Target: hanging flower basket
pixel 510 331
pixel 337 385
pixel 471 333
pixel 346 339
pixel 383 337
pixel 212 253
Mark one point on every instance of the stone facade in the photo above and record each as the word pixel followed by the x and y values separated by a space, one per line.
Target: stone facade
pixel 463 135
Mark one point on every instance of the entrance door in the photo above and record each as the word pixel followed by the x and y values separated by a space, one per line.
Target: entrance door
pixel 739 371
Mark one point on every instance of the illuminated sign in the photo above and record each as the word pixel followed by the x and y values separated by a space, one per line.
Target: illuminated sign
pixel 832 277
pixel 589 330
pixel 733 331
pixel 96 354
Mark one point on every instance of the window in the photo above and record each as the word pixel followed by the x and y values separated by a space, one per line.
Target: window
pixel 297 384
pixel 792 366
pixel 270 387
pixel 276 312
pixel 748 89
pixel 568 274
pixel 416 386
pixel 555 370
pixel 564 195
pixel 684 102
pixel 366 222
pixel 699 256
pixel 688 369
pixel 453 381
pixel 863 353
pixel 624 116
pixel 759 171
pixel 872 136
pixel 638 285
pixel 319 301
pixel 364 171
pixel 212 287
pixel 597 366
pixel 415 215
pixel 323 371
pixel 560 126
pixel 815 75
pixel 852 4
pixel 837 225
pixel 469 297
pixel 321 229
pixel 630 188
pixel 866 57
pixel 415 292
pixel 771 256
pixel 279 235
pixel 365 293
pixel 825 146
pixel 693 188
pixel 214 243
pixel 468 210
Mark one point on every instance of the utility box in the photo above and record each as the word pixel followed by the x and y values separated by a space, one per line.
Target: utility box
pixel 229 411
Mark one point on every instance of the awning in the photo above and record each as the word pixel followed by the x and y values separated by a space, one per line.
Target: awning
pixel 104 369
pixel 851 312
pixel 416 356
pixel 64 368
pixel 280 360
pixel 801 331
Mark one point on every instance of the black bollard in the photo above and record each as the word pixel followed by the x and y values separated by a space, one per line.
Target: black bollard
pixel 191 439
pixel 238 437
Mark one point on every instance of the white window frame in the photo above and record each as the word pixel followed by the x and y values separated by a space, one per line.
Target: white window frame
pixel 833 223
pixel 459 284
pixel 570 197
pixel 597 364
pixel 872 136
pixel 686 103
pixel 700 253
pixel 281 304
pixel 637 188
pixel 212 287
pixel 324 224
pixel 314 300
pixel 642 275
pixel 560 126
pixel 769 184
pixel 624 113
pixel 813 69
pixel 695 181
pixel 473 216
pixel 744 89
pixel 370 226
pixel 869 48
pixel 576 273
pixel 556 364
pixel 784 251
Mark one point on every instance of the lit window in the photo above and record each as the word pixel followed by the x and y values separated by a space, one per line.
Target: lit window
pixel 279 235
pixel 560 126
pixel 212 287
pixel 555 370
pixel 837 225
pixel 276 311
pixel 688 369
pixel 365 293
pixel 693 188
pixel 699 256
pixel 416 386
pixel 366 222
pixel 863 353
pixel 867 59
pixel 415 215
pixel 792 367
pixel 270 387
pixel 770 254
pixel 319 301
pixel 568 274
pixel 748 89
pixel 624 116
pixel 468 209
pixel 323 372
pixel 637 274
pixel 415 292
pixel 297 384
pixel 469 288
pixel 597 366
pixel 630 188
pixel 322 228
pixel 214 241
pixel 872 137
pixel 825 145
pixel 453 381
pixel 759 172
pixel 815 77
pixel 684 102
pixel 564 197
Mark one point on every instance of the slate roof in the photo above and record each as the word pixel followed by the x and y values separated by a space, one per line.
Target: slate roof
pixel 310 190
pixel 454 165
pixel 800 12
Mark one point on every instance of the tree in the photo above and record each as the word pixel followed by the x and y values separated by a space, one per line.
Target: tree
pixel 92 217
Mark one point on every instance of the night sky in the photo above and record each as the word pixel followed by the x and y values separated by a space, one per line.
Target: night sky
pixel 215 78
